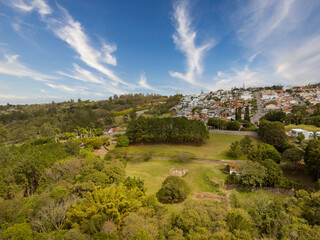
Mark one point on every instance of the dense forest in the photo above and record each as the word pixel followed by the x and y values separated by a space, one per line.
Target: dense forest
pixel 19 123
pixel 167 130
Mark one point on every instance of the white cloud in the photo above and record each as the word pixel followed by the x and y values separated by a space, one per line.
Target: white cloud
pixel 285 35
pixel 27 6
pixel 143 82
pixel 82 74
pixel 184 39
pixel 237 78
pixel 71 31
pixel 12 66
pixel 299 65
pixel 61 87
pixel 12 97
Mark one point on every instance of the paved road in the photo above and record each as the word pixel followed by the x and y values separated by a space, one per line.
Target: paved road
pixel 298 99
pixel 259 112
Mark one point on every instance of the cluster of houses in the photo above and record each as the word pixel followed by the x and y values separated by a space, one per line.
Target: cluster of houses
pixel 277 100
pixel 220 104
pixel 311 95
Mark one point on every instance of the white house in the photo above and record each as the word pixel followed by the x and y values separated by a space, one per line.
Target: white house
pixel 307 134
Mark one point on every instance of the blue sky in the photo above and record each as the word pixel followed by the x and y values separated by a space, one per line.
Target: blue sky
pixel 55 50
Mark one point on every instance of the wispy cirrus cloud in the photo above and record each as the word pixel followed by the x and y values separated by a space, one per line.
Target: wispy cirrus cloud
pixel 12 66
pixel 143 83
pixel 287 38
pixel 71 31
pixel 78 89
pixel 185 41
pixel 82 74
pixel 27 6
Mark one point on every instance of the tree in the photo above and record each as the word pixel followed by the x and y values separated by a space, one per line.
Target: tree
pixel 235 149
pixel 292 156
pixel 20 231
pixel 216 123
pixel 111 203
pixel 247 114
pixel 273 173
pixel 95 142
pixel 72 147
pixel 246 144
pixel 274 116
pixel 272 133
pixel 312 159
pixel 252 173
pixel 233 125
pixel 300 138
pixel 133 114
pixel 174 189
pixel 264 151
pixel 123 141
pixel 239 219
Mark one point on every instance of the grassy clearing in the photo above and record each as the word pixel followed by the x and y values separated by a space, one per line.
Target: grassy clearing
pixel 216 147
pixel 156 170
pixel 302 126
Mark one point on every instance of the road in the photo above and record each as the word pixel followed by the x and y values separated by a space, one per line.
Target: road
pixel 259 112
pixel 298 99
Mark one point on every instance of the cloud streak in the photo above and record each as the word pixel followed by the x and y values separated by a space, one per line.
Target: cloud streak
pixel 82 74
pixel 13 67
pixel 184 38
pixel 39 5
pixel 143 82
pixel 71 31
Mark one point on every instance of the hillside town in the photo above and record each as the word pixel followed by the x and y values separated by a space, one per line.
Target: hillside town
pixel 222 104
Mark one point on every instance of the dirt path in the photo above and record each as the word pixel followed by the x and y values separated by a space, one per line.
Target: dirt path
pixel 204 160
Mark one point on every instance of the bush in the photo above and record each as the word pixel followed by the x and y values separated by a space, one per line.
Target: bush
pixel 123 141
pixel 95 142
pixel 235 149
pixel 233 125
pixel 174 189
pixel 264 151
pixel 72 147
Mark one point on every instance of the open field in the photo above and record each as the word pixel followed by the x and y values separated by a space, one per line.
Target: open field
pixel 216 147
pixel 156 170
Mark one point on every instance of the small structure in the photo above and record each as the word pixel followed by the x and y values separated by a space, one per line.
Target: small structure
pixel 307 134
pixel 178 172
pixel 233 167
pixel 102 150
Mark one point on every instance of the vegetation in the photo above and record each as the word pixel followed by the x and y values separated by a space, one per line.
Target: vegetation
pixel 216 147
pixel 167 130
pixel 54 189
pixel 173 189
pixel 123 141
pixel 272 133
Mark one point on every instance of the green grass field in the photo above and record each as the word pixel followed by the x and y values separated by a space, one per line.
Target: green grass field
pixel 156 170
pixel 216 147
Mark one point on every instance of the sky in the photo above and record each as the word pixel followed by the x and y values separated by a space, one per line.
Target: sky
pixel 56 50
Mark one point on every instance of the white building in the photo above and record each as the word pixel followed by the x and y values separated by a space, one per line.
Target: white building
pixel 307 134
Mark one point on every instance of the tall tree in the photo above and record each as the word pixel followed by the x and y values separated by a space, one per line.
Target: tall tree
pixel 247 114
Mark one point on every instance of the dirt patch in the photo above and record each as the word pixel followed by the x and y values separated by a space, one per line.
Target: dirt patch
pixel 213 196
pixel 299 176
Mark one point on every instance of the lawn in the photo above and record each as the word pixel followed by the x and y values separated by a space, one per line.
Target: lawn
pixel 216 147
pixel 156 170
